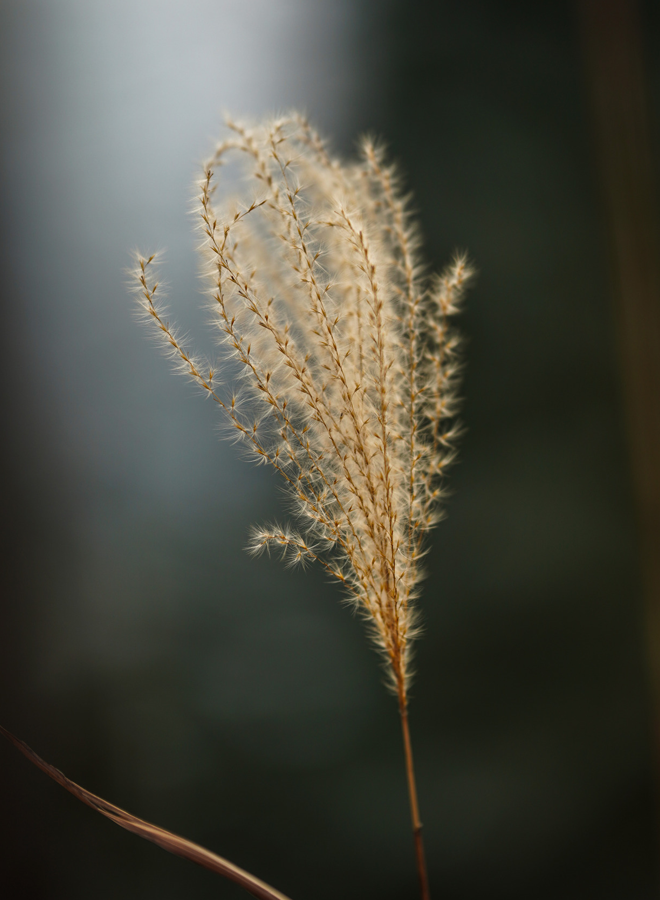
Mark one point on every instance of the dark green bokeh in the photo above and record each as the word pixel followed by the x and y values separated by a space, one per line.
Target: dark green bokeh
pixel 238 703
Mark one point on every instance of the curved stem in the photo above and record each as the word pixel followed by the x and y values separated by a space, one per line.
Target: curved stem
pixel 174 843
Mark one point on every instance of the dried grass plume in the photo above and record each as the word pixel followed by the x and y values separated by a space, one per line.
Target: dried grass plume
pixel 348 360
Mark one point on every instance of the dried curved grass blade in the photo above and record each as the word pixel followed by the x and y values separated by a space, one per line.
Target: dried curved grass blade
pixel 165 839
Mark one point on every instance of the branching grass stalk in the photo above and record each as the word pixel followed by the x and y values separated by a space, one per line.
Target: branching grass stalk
pixel 348 365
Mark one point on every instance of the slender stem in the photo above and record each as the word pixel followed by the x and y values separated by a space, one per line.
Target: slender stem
pixel 166 839
pixel 414 806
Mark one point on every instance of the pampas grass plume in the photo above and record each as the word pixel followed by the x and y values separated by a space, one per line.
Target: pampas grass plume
pixel 347 360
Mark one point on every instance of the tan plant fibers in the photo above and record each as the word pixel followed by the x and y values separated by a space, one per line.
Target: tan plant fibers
pixel 348 361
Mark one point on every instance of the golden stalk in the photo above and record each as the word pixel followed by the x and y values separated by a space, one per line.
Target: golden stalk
pixel 319 295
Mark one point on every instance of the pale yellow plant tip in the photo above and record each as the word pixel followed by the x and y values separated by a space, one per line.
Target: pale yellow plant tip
pixel 319 294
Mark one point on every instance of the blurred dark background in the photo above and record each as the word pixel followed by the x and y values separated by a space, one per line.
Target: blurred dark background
pixel 141 650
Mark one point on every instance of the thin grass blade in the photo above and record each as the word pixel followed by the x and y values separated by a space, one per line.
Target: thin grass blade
pixel 174 843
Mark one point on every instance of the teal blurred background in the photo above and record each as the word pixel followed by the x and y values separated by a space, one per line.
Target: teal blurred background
pixel 141 650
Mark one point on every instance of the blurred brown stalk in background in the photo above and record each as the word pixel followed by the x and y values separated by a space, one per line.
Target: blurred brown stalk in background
pixel 613 53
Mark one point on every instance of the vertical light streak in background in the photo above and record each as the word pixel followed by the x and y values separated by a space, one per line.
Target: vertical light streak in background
pixel 114 105
pixel 111 108
pixel 614 55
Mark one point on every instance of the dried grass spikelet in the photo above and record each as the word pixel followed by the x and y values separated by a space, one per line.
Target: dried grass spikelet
pixel 348 361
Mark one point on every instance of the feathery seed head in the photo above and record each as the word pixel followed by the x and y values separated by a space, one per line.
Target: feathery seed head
pixel 348 362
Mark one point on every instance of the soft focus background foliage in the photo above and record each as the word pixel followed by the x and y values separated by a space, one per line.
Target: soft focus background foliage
pixel 141 650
